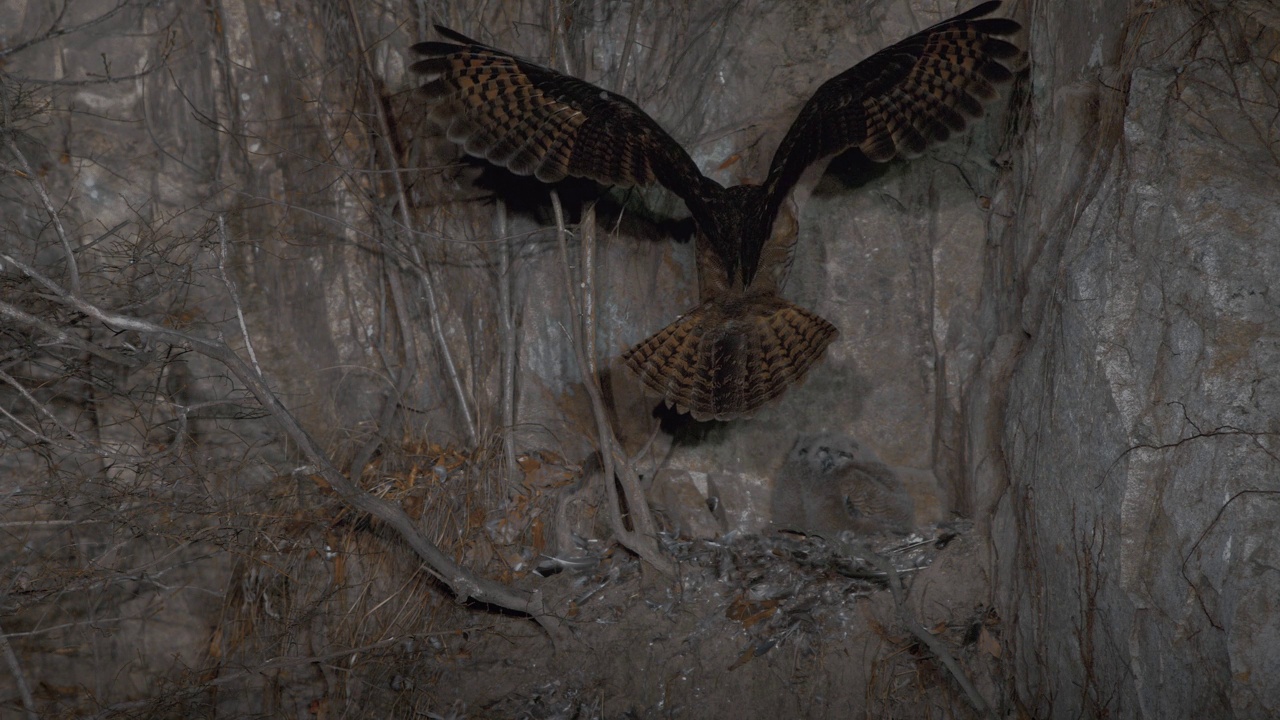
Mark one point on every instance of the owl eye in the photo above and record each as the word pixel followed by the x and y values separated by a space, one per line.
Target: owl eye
pixel 804 451
pixel 844 455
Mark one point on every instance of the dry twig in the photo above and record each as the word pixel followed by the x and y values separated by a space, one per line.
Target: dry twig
pixel 402 202
pixel 231 291
pixel 506 316
pixel 913 626
pixel 19 678
pixel 465 584
pixel 73 270
pixel 642 538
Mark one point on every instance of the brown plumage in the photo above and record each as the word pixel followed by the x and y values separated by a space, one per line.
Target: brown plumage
pixel 744 344
pixel 731 354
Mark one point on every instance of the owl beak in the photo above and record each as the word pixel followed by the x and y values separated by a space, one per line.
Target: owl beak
pixel 825 458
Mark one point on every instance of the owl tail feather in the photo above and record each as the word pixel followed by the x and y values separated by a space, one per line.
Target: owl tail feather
pixel 730 355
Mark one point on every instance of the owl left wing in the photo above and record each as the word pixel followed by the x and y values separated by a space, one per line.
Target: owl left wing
pixel 535 121
pixel 901 99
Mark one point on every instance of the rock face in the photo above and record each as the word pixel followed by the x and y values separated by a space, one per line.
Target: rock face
pixel 1138 423
pixel 1068 320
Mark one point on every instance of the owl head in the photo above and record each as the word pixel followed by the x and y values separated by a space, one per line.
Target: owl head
pixel 826 453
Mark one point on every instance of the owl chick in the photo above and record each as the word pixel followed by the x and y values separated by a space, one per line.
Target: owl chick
pixel 831 483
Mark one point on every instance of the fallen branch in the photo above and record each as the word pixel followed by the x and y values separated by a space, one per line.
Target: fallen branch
pixel 913 626
pixel 465 584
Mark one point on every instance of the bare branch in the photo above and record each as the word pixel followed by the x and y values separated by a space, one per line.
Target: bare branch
pixel 16 315
pixel 620 80
pixel 19 678
pixel 642 539
pixel 637 503
pixel 465 584
pixel 73 271
pixel 40 408
pixel 408 371
pixel 56 29
pixel 231 290
pixel 424 271
pixel 506 316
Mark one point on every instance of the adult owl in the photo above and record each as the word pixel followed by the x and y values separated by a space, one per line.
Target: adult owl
pixel 744 344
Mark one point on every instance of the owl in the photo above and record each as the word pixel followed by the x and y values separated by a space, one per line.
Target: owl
pixel 833 483
pixel 743 344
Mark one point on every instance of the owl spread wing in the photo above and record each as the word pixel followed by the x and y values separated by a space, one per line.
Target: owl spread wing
pixel 904 97
pixel 535 121
pixel 740 348
pixel 898 101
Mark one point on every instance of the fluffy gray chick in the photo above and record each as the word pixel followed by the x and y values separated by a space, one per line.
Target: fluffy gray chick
pixel 831 483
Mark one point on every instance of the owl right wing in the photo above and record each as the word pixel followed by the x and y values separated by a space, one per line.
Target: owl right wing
pixel 898 101
pixel 535 121
pixel 902 99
